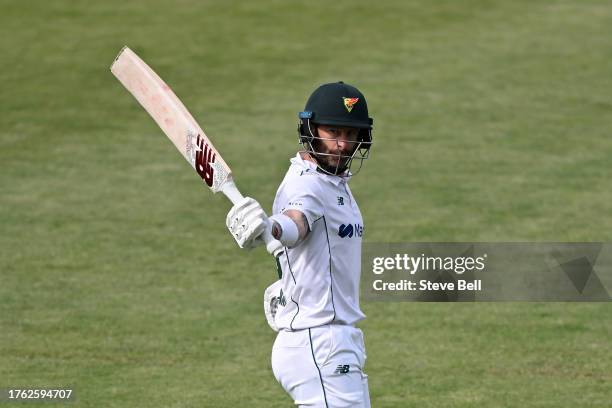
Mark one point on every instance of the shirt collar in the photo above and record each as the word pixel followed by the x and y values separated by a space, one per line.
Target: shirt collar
pixel 310 166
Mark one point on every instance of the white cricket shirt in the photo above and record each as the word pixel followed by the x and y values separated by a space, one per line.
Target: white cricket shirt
pixel 321 274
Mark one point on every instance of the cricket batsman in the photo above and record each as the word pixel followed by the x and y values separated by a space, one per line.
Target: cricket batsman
pixel 319 355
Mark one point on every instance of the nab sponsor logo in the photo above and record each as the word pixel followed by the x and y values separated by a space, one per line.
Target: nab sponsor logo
pixel 350 230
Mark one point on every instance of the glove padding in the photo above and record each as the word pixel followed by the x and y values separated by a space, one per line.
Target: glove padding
pixel 246 221
pixel 272 298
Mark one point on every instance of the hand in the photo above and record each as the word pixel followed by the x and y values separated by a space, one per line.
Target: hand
pixel 246 221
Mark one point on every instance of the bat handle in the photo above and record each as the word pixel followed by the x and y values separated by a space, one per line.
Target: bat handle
pixel 273 246
pixel 231 191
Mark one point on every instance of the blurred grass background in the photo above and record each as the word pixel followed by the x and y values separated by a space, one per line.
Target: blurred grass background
pixel 118 278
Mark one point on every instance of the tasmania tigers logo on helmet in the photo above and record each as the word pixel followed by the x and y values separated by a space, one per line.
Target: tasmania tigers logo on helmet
pixel 349 102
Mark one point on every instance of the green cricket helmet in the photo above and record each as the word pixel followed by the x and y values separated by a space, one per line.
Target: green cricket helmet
pixel 336 104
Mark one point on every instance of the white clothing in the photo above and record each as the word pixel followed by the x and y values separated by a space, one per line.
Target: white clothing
pixel 321 274
pixel 322 366
pixel 318 356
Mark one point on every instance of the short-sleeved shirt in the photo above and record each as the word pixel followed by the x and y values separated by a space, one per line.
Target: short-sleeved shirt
pixel 321 274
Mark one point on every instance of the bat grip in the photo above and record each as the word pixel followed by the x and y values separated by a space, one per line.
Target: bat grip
pixel 231 191
pixel 273 246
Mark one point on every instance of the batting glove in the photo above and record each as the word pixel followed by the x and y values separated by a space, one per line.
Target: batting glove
pixel 246 221
pixel 273 296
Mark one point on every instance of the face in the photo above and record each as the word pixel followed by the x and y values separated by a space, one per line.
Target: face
pixel 335 142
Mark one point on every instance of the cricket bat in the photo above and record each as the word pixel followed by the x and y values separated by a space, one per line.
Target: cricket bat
pixel 176 122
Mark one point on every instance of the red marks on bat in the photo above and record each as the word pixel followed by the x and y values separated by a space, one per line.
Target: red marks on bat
pixel 144 90
pixel 205 156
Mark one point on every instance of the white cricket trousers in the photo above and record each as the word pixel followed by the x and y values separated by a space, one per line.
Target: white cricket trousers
pixel 322 366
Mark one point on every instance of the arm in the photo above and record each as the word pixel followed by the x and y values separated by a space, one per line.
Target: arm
pixel 290 227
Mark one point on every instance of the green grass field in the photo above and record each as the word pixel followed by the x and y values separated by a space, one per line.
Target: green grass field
pixel 119 279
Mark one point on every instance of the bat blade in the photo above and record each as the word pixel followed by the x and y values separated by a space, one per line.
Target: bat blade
pixel 173 118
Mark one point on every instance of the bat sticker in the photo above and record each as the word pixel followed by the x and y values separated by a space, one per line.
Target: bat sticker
pixel 204 157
